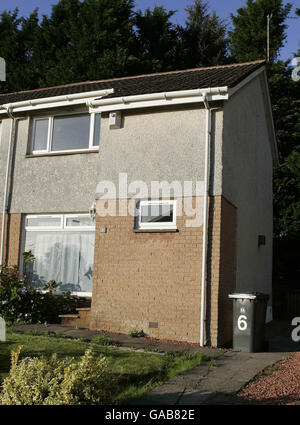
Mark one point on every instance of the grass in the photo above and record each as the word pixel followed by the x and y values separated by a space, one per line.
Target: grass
pixel 137 373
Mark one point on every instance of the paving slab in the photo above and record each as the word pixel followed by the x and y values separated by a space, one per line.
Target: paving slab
pixel 208 384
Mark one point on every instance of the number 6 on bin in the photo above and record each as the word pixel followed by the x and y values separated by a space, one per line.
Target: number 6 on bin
pixel 242 322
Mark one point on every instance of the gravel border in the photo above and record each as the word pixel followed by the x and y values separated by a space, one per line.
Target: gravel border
pixel 275 385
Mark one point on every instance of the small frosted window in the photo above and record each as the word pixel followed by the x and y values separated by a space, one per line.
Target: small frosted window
pixel 71 132
pixel 40 134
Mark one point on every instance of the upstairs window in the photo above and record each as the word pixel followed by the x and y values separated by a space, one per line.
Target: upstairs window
pixel 155 215
pixel 64 133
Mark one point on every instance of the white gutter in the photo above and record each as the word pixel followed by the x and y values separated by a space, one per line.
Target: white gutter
pixel 158 99
pixel 205 222
pixel 56 101
pixel 4 210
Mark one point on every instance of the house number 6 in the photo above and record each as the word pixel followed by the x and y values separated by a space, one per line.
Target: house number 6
pixel 242 322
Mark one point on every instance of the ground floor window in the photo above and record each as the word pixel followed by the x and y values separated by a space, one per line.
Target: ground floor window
pixel 156 215
pixel 63 246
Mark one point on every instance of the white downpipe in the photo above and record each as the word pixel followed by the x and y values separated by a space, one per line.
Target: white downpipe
pixel 6 186
pixel 205 223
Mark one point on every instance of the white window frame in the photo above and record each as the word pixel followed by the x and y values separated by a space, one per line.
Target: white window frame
pixel 156 226
pixel 50 119
pixel 63 223
pixel 63 228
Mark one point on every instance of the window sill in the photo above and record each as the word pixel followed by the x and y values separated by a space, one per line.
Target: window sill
pixel 38 155
pixel 155 230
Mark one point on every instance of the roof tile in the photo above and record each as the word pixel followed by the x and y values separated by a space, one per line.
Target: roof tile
pixel 224 75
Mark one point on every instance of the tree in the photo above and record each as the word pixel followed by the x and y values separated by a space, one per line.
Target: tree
pixel 248 39
pixel 158 43
pixel 285 96
pixel 86 40
pixel 17 37
pixel 248 42
pixel 204 37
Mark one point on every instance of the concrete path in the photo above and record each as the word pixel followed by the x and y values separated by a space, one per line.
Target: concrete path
pixel 207 384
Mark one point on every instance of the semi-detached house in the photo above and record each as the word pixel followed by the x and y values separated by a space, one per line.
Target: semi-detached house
pixel 207 132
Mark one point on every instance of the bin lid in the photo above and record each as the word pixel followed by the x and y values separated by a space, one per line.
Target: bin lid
pixel 250 296
pixel 243 296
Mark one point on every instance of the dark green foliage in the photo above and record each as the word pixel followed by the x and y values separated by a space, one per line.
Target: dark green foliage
pixel 204 38
pixel 85 41
pixel 158 44
pixel 248 39
pixel 97 39
pixel 18 41
pixel 20 303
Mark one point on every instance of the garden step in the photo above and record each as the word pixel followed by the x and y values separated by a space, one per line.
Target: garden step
pixel 69 316
pixel 83 309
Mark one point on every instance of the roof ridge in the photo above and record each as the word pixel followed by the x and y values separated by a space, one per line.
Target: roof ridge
pixel 153 74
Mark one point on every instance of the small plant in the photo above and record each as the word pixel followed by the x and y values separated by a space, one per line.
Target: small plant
pixel 42 381
pixel 135 333
pixel 20 303
pixel 102 339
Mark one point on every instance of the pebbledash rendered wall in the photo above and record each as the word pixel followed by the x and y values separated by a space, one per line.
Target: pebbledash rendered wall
pixel 152 281
pixel 247 183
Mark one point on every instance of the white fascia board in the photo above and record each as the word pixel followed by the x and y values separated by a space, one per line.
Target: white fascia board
pixel 54 101
pixel 158 99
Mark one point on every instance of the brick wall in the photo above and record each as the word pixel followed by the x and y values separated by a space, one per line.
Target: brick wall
pixel 12 242
pixel 152 281
pixel 220 271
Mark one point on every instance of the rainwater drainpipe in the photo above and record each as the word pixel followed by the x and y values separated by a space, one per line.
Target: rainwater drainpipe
pixel 4 211
pixel 205 221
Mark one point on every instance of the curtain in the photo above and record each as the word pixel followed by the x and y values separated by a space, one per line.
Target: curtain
pixel 66 257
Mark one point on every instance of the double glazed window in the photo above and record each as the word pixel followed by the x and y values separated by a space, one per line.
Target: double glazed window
pixel 63 246
pixel 62 133
pixel 156 215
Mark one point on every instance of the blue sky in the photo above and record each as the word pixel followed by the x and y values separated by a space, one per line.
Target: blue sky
pixel 222 7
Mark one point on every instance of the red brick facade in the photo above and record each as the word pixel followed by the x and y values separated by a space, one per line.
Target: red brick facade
pixel 12 242
pixel 152 281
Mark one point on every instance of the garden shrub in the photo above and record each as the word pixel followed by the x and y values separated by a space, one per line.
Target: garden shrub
pixel 42 381
pixel 21 303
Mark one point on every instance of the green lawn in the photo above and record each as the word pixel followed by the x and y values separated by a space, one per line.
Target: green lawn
pixel 137 372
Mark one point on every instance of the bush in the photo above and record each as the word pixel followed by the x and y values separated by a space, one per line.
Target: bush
pixel 42 381
pixel 20 303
